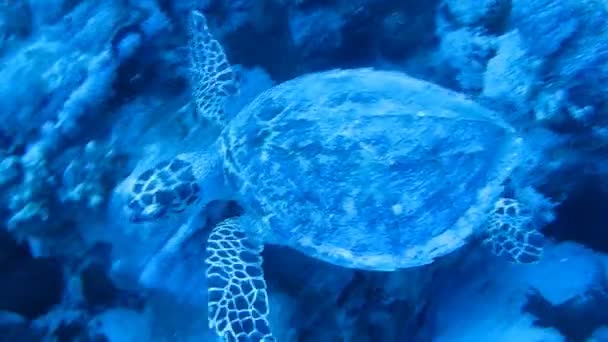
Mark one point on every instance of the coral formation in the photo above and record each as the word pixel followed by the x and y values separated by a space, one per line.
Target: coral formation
pixel 92 91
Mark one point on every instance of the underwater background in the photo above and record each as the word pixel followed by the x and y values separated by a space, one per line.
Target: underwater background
pixel 92 91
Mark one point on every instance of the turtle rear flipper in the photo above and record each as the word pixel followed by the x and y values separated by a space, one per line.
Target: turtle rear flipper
pixel 238 302
pixel 512 233
pixel 212 77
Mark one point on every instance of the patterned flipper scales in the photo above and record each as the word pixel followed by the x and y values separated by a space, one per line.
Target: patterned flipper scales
pixel 511 233
pixel 238 302
pixel 212 77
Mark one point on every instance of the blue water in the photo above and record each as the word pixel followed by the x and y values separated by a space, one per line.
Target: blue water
pixel 93 93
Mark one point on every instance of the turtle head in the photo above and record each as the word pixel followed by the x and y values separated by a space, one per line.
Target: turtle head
pixel 165 189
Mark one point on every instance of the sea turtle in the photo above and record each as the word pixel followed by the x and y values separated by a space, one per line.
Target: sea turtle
pixel 362 168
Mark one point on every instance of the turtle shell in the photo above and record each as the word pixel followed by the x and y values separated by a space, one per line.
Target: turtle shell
pixel 367 169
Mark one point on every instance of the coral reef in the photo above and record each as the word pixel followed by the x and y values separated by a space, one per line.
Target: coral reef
pixel 93 91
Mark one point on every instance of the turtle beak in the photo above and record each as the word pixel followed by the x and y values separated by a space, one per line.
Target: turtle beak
pixel 149 213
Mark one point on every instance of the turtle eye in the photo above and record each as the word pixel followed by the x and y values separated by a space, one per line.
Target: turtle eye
pixel 183 191
pixel 134 205
pixel 164 197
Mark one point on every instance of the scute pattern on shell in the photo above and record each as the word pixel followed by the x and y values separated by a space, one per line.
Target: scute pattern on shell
pixel 358 167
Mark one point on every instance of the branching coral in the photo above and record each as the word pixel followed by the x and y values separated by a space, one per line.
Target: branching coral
pixel 467 51
pixel 57 83
pixel 485 13
pixel 89 178
pixel 511 75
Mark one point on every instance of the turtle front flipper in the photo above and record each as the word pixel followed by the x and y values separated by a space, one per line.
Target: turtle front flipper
pixel 512 232
pixel 238 302
pixel 212 77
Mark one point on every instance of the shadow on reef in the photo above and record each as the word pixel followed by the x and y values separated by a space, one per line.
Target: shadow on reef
pixel 334 303
pixel 315 35
pixel 576 319
pixel 31 288
pixel 583 217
